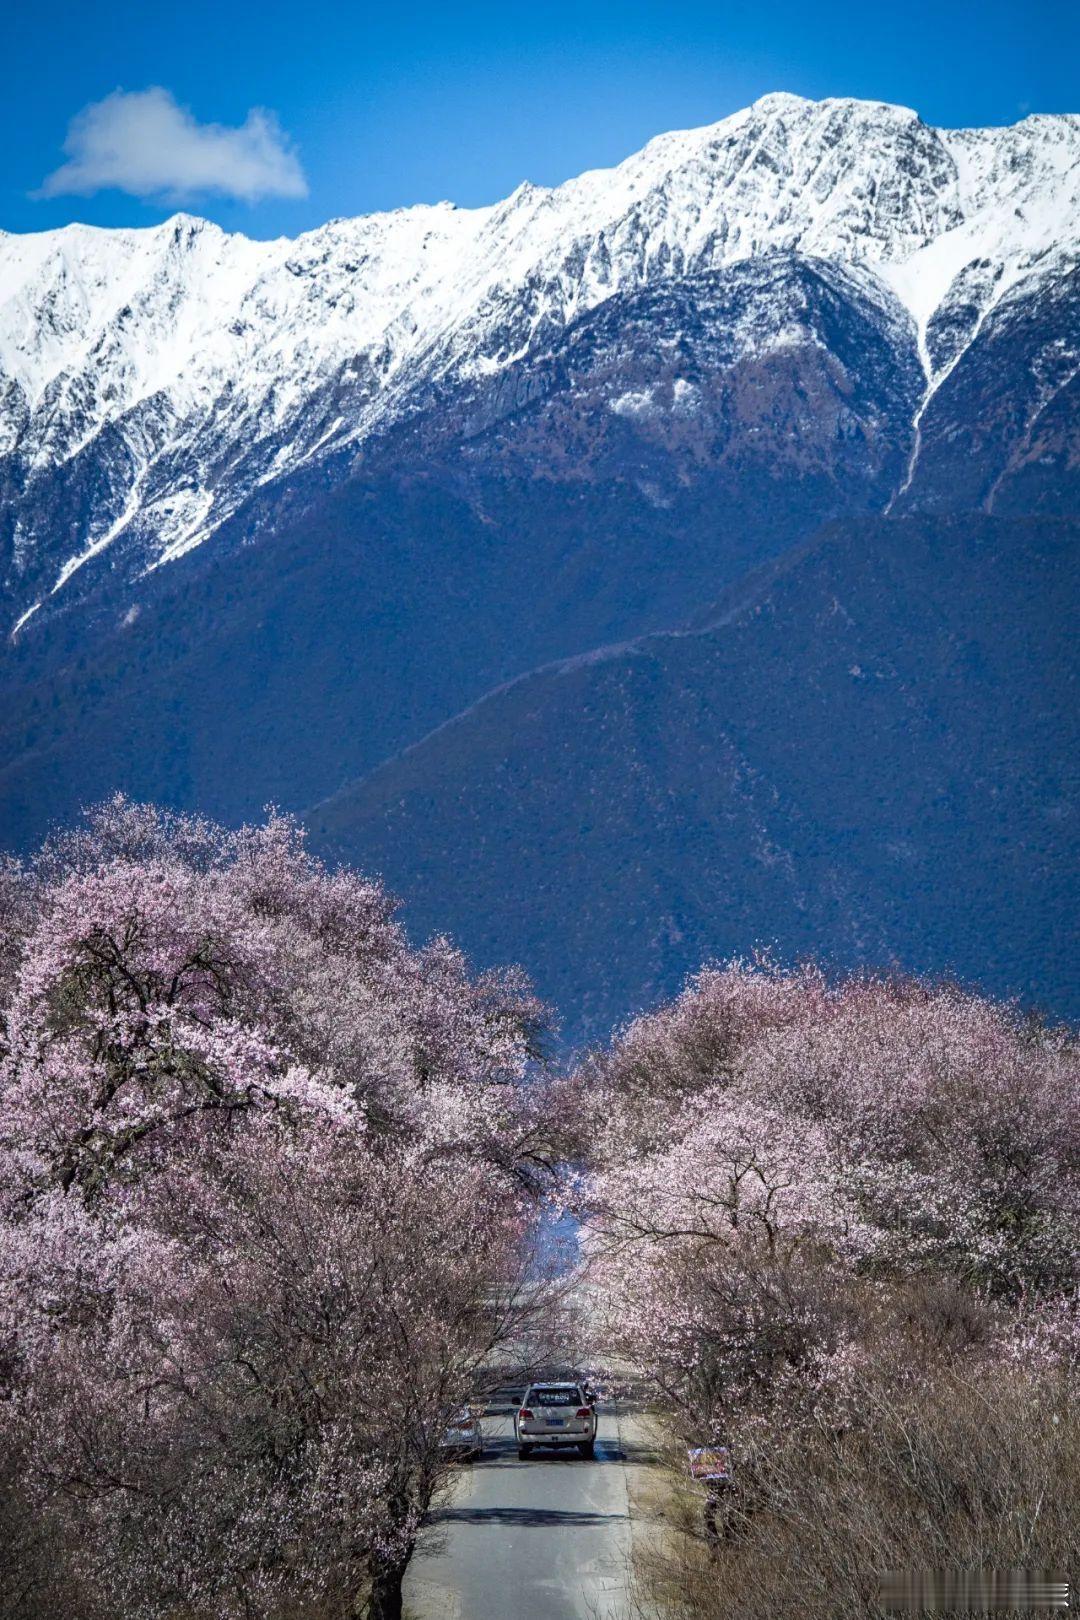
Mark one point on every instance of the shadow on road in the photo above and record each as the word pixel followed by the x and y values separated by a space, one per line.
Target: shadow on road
pixel 499 1453
pixel 547 1518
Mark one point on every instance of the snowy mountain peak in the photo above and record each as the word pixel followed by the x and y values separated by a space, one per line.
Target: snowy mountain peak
pixel 190 367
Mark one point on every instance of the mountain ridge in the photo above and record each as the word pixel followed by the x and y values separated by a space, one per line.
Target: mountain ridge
pixel 625 817
pixel 154 399
pixel 464 521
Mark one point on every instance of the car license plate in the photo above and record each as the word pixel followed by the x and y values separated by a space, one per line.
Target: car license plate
pixel 554 1423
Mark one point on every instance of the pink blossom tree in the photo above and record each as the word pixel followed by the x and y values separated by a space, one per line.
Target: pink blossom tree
pixel 266 1175
pixel 774 1157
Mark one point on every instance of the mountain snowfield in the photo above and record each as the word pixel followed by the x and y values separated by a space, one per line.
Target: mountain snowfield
pixel 153 381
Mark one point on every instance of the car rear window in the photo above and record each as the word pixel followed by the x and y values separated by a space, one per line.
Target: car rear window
pixel 554 1397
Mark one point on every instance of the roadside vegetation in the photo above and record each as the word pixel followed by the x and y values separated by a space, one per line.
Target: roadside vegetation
pixel 270 1183
pixel 835 1228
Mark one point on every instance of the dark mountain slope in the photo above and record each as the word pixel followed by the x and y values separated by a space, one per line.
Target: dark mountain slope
pixel 600 489
pixel 870 753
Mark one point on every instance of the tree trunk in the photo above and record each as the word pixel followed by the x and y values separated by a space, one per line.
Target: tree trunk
pixel 386 1592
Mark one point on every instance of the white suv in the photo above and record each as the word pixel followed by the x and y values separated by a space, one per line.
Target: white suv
pixel 556 1415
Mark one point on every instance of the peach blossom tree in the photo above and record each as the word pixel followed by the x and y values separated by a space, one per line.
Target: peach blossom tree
pixel 266 1172
pixel 775 1156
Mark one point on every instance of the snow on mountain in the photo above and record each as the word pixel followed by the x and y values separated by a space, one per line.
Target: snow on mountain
pixel 151 380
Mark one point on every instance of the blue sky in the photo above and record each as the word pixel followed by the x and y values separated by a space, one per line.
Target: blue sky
pixel 379 107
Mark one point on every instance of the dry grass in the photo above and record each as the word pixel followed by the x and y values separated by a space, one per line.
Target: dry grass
pixel 971 1473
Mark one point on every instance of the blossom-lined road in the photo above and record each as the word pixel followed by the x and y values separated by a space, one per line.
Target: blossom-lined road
pixel 546 1539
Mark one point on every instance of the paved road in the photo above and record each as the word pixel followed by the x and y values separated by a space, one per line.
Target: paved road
pixel 546 1539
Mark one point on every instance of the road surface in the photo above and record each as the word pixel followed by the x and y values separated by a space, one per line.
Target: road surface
pixel 546 1539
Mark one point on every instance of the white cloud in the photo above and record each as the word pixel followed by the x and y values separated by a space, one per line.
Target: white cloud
pixel 143 142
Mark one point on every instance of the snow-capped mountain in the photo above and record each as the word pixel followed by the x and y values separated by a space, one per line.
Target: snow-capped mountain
pixel 155 384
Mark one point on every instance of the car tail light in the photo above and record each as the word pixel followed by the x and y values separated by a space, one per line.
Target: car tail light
pixel 525 1415
pixel 584 1411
